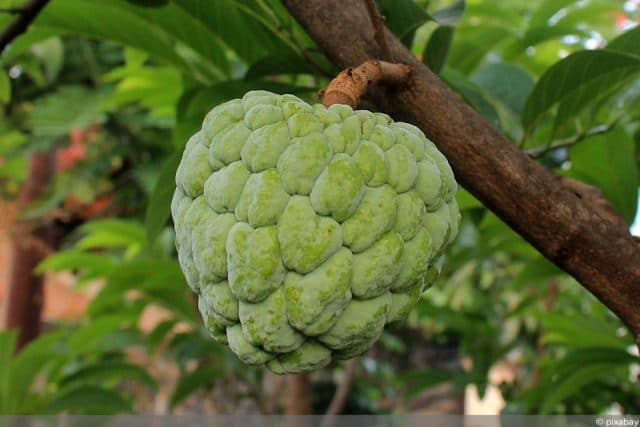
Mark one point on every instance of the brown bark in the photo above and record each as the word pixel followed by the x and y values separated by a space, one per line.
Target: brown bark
pixel 352 83
pixel 601 255
pixel 25 292
pixel 297 398
pixel 377 20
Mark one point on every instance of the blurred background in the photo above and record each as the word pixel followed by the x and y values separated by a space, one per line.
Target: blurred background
pixel 97 101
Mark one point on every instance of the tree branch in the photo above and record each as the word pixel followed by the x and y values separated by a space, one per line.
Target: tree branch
pixel 342 392
pixel 26 288
pixel 297 398
pixel 594 197
pixel 25 15
pixel 571 141
pixel 378 29
pixel 564 227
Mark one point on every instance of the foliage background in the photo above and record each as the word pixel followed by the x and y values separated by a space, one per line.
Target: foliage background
pixel 114 88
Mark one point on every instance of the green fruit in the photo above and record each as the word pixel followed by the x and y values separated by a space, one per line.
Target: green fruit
pixel 305 230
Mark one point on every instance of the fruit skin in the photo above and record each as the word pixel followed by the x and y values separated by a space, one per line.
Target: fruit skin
pixel 305 230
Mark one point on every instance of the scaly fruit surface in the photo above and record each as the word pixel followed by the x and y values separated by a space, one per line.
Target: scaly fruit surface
pixel 305 230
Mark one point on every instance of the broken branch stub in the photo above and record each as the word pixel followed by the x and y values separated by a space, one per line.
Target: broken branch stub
pixel 352 83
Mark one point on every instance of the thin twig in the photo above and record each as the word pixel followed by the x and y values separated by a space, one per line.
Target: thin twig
pixel 378 30
pixel 291 39
pixel 568 142
pixel 279 31
pixel 341 394
pixel 310 59
pixel 19 25
pixel 352 83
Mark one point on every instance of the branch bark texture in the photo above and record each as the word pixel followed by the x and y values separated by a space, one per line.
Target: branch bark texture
pixel 561 224
pixel 352 83
pixel 377 21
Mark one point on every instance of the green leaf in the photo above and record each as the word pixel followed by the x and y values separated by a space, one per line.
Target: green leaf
pixel 87 336
pixel 505 82
pixel 161 280
pixel 571 384
pixel 109 372
pixel 112 233
pixel 473 94
pixel 66 109
pixel 274 63
pixel 574 73
pixel 473 42
pixel 436 51
pixel 423 379
pixel 546 10
pixel 578 330
pixel 118 22
pixel 201 36
pixel 594 14
pixel 450 15
pixel 159 206
pixel 118 340
pixel 147 273
pixel 608 162
pixel 159 333
pixel 393 343
pixel 494 13
pixel 154 88
pixel 240 24
pixel 613 356
pixel 29 363
pixel 178 300
pixel 403 17
pixel 466 200
pixel 538 35
pixel 89 400
pixel 537 271
pixel 7 347
pixel 627 42
pixel 5 87
pixel 149 3
pixel 91 264
pixel 189 346
pixel 25 42
pixel 192 382
pixel 50 55
pixel 601 88
pixel 198 102
pixel 598 91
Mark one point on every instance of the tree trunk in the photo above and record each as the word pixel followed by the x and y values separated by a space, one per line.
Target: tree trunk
pixel 25 292
pixel 297 398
